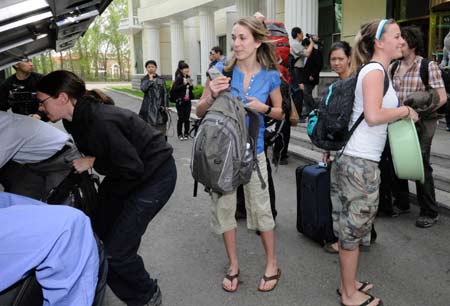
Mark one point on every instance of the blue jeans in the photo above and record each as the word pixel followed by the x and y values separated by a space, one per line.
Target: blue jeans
pixel 127 276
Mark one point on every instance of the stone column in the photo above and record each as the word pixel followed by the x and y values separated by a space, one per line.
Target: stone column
pixel 271 9
pixel 177 42
pixel 151 39
pixel 304 14
pixel 247 7
pixel 207 38
pixel 132 56
pixel 193 47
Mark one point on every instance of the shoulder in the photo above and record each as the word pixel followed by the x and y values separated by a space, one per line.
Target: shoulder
pixel 272 78
pixel 366 69
pixel 9 80
pixel 36 76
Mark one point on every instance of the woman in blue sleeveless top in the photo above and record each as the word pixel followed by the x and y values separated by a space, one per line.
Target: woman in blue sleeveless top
pixel 254 78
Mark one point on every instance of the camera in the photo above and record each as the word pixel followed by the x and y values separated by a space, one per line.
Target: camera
pixel 308 37
pixel 23 102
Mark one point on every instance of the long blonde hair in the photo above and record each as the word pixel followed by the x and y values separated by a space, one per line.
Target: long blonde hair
pixel 265 54
pixel 365 43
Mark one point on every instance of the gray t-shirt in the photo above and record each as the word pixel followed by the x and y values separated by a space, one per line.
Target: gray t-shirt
pixel 299 53
pixel 28 140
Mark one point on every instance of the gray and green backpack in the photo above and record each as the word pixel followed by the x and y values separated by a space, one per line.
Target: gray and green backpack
pixel 224 148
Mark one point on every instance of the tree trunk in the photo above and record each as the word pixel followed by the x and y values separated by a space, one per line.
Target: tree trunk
pixel 70 60
pixel 43 61
pixel 61 60
pixel 81 60
pixel 105 63
pixel 50 59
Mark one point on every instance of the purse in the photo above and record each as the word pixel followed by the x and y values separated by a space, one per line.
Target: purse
pixel 293 117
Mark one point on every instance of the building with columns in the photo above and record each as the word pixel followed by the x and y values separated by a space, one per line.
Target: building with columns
pixel 171 30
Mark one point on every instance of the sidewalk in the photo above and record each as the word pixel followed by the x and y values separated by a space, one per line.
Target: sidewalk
pixel 409 266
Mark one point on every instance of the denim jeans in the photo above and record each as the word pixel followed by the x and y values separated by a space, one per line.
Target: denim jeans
pixel 127 276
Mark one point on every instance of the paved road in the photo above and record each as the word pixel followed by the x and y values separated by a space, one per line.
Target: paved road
pixel 409 266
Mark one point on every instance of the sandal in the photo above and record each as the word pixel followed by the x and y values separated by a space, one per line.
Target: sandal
pixel 328 247
pixel 270 278
pixel 231 278
pixel 366 302
pixel 361 288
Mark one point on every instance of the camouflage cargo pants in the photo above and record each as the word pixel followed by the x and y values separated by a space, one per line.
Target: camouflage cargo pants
pixel 354 195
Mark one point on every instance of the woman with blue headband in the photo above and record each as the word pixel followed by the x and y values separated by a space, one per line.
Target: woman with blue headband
pixel 356 172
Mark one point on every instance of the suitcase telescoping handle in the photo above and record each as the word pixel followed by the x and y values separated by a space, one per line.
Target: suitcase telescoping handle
pixel 322 164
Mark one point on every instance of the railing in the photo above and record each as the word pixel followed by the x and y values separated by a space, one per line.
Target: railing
pixel 127 23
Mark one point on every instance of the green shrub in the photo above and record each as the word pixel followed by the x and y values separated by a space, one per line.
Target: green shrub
pixel 198 91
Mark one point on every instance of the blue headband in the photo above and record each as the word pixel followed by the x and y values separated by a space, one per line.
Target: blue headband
pixel 380 29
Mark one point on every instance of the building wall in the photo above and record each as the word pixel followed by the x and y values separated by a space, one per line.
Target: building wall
pixel 357 12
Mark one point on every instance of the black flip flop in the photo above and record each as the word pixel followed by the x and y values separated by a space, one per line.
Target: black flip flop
pixel 361 288
pixel 367 302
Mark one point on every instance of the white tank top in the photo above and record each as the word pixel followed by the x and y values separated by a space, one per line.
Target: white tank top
pixel 368 141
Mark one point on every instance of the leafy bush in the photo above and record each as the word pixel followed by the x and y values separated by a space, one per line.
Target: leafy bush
pixel 197 91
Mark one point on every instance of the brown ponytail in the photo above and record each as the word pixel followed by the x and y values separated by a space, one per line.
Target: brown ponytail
pixel 100 96
pixel 365 43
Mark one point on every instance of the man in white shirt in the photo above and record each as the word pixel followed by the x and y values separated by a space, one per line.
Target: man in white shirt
pixel 34 156
pixel 299 54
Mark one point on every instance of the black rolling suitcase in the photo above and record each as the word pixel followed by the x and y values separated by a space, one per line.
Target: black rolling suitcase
pixel 313 203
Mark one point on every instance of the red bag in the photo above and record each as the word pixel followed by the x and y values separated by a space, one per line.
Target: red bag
pixel 280 37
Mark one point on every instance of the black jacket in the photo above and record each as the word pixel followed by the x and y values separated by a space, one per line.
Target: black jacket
pixel 155 98
pixel 11 83
pixel 178 90
pixel 128 151
pixel 312 68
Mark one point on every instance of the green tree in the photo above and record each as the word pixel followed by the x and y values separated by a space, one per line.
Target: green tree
pixel 117 10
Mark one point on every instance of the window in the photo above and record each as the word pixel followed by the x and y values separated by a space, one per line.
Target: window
pixel 223 44
pixel 330 22
pixel 138 57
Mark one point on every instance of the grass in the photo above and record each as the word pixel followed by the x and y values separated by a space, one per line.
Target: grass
pixel 133 92
pixel 128 89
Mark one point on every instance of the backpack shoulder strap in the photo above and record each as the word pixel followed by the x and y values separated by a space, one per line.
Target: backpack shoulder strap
pixel 424 72
pixel 393 68
pixel 228 74
pixel 361 117
pixel 386 77
pixel 253 131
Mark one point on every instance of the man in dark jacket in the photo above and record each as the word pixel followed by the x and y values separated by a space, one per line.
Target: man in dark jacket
pixel 311 71
pixel 154 105
pixel 18 91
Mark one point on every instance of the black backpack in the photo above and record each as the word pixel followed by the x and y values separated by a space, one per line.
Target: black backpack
pixel 273 126
pixel 78 190
pixel 328 125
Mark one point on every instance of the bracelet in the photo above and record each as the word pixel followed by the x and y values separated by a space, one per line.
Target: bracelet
pixel 268 110
pixel 407 116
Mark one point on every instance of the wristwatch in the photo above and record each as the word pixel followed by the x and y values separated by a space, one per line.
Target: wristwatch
pixel 268 110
